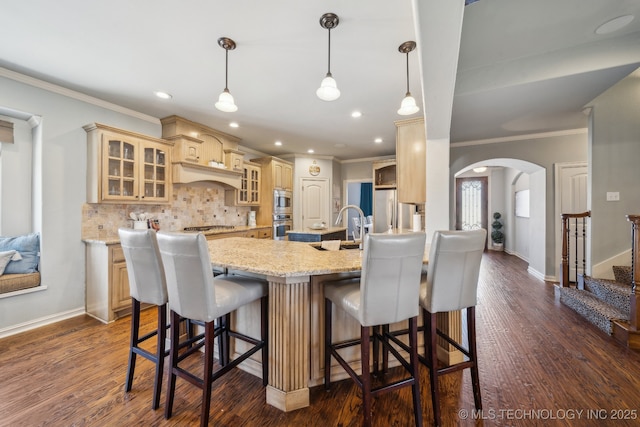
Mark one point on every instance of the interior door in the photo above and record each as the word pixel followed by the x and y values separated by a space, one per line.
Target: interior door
pixel 572 187
pixel 316 206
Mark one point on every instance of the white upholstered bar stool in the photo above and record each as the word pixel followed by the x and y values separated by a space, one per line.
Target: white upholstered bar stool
pixel 195 294
pixel 451 284
pixel 147 285
pixel 386 292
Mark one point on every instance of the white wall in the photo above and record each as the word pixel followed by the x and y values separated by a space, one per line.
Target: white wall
pixel 522 240
pixel 64 190
pixel 614 154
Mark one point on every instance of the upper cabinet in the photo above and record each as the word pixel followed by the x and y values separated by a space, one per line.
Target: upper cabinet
pixel 275 174
pixel 384 174
pixel 249 192
pixel 126 167
pixel 279 172
pixel 411 161
pixel 202 153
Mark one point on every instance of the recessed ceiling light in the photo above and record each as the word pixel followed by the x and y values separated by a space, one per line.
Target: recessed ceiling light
pixel 614 24
pixel 234 124
pixel 310 151
pixel 356 114
pixel 378 140
pixel 163 95
pixel 480 169
pixel 278 143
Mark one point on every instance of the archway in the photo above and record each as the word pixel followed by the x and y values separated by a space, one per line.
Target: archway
pixel 524 236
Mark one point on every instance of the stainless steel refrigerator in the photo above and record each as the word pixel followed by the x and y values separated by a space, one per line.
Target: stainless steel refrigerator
pixel 386 211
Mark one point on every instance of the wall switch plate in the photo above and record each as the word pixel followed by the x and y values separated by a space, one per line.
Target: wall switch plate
pixel 613 196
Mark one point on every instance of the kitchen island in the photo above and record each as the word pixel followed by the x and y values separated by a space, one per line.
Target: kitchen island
pixel 296 272
pixel 317 234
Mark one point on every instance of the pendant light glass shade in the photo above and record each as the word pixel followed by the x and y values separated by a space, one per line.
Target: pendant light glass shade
pixel 225 100
pixel 408 105
pixel 328 90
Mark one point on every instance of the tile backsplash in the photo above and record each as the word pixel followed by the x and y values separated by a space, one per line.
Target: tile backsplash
pixel 192 204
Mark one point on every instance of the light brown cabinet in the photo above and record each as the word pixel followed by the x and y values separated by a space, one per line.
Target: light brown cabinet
pixel 234 159
pixel 282 175
pixel 199 144
pixel 411 161
pixel 126 167
pixel 107 292
pixel 120 293
pixel 261 233
pixel 276 174
pixel 254 233
pixel 249 192
pixel 384 174
pixel 186 149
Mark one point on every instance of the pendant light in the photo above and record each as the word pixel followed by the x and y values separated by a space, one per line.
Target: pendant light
pixel 225 100
pixel 408 105
pixel 328 90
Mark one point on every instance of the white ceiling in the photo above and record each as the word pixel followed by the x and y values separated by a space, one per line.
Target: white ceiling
pixel 524 66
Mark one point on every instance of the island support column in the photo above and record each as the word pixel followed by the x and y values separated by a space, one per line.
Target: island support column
pixel 288 386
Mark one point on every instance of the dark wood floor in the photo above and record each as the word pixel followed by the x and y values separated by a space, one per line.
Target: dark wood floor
pixel 540 364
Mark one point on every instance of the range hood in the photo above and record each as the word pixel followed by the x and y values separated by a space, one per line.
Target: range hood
pixel 186 172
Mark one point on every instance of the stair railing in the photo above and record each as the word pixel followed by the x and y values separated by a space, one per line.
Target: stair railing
pixel 567 221
pixel 634 313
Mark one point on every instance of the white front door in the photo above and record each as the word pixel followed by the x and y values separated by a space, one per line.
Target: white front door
pixel 571 197
pixel 316 206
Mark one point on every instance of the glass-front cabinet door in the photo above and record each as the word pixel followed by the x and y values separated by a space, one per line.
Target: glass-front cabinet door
pixel 155 173
pixel 134 170
pixel 253 184
pixel 127 167
pixel 120 169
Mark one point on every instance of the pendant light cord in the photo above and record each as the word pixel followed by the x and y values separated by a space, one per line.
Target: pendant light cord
pixel 329 54
pixel 226 69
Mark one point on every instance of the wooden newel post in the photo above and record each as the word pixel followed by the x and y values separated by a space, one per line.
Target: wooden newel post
pixel 564 265
pixel 634 314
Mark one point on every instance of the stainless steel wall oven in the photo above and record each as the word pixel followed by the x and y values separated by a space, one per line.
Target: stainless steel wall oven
pixel 281 224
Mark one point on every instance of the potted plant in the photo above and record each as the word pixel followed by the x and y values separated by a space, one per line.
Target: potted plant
pixel 497 236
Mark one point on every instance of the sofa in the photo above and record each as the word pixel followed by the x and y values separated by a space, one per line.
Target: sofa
pixel 19 262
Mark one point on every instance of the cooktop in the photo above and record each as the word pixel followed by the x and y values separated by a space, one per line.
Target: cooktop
pixel 210 227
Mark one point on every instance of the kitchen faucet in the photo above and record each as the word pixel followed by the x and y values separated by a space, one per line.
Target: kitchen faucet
pixel 357 208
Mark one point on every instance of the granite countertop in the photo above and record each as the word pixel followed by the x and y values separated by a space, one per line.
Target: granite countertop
pixel 108 238
pixel 282 258
pixel 326 230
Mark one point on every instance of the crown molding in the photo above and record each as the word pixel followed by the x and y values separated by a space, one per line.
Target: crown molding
pixel 79 96
pixel 529 136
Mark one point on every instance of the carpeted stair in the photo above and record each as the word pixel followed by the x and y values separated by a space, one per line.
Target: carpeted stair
pixel 601 300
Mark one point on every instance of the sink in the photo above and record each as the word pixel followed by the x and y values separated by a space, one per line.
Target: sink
pixel 343 246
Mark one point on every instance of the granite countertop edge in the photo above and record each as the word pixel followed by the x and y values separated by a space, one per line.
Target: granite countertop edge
pixel 113 239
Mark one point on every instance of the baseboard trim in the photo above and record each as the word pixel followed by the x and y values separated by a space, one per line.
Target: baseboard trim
pixel 42 321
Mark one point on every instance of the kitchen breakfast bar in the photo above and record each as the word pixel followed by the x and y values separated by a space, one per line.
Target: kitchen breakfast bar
pixel 296 272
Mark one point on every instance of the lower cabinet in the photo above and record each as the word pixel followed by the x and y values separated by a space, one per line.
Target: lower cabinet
pixel 107 283
pixel 259 233
pixel 107 294
pixel 120 293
